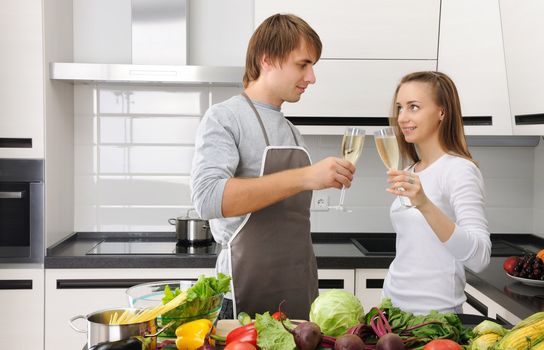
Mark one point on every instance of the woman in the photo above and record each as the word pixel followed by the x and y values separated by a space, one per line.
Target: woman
pixel 445 229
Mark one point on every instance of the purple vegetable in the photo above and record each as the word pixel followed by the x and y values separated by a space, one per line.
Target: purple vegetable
pixel 307 335
pixel 390 341
pixel 349 342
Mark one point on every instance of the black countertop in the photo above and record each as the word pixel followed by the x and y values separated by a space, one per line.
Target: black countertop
pixel 331 253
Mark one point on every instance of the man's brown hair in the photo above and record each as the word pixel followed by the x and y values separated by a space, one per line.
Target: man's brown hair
pixel 275 38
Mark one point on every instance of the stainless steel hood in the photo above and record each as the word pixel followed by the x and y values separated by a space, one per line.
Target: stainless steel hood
pixel 159 52
pixel 131 73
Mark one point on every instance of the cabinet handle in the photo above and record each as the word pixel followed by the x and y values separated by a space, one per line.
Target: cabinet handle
pixel 15 284
pixel 374 283
pixel 11 142
pixel 330 284
pixel 478 305
pixel 11 195
pixel 529 119
pixel 104 284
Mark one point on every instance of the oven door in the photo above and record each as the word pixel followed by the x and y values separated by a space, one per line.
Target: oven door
pixel 21 222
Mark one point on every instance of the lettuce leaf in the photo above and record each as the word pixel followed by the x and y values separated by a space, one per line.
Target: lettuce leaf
pixel 271 335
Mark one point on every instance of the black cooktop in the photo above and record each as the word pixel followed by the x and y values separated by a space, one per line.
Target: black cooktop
pixel 152 248
pixel 385 246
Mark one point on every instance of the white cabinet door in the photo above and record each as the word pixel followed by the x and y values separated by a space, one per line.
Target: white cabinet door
pixel 353 88
pixel 523 33
pixel 494 310
pixel 471 53
pixel 368 286
pixel 72 292
pixel 22 298
pixel 336 279
pixel 21 83
pixel 365 29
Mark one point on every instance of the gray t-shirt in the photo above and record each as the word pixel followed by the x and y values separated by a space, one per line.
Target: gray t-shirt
pixel 230 143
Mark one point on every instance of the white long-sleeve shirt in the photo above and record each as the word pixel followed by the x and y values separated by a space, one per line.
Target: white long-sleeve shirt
pixel 428 274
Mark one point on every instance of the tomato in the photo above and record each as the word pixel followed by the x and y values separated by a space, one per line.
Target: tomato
pixel 237 345
pixel 279 316
pixel 509 264
pixel 442 344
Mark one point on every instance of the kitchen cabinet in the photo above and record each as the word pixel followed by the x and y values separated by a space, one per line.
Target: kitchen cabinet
pixel 523 30
pixel 72 292
pixel 486 304
pixel 21 86
pixel 336 279
pixel 367 47
pixel 368 286
pixel 471 53
pixel 22 295
pixel 365 29
pixel 352 88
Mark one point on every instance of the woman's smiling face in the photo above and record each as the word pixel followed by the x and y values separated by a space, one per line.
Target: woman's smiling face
pixel 419 116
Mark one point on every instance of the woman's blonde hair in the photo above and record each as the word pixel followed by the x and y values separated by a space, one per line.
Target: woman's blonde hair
pixel 451 132
pixel 275 38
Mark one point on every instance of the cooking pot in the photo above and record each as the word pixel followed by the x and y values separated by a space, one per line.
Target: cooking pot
pixel 100 331
pixel 191 229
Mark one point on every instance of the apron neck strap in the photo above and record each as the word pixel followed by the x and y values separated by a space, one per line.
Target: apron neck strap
pixel 258 117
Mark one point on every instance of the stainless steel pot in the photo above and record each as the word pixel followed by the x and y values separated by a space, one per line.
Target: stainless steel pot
pixel 100 331
pixel 191 229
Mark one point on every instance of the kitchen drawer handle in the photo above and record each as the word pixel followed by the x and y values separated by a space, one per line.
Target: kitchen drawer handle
pixel 15 284
pixel 11 195
pixel 330 284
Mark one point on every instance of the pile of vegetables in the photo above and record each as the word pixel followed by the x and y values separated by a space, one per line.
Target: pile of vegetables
pixel 204 300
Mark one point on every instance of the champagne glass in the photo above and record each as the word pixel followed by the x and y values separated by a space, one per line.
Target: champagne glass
pixel 388 149
pixel 352 147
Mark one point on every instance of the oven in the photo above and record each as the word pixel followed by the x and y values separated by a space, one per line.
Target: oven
pixel 21 211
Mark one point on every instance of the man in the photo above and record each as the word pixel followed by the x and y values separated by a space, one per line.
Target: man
pixel 253 179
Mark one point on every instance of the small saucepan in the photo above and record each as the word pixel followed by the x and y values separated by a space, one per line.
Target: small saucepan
pixel 190 229
pixel 99 330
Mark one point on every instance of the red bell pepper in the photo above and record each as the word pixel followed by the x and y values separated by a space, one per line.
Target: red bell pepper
pixel 243 334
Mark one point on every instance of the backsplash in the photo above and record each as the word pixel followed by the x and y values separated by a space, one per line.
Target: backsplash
pixel 134 148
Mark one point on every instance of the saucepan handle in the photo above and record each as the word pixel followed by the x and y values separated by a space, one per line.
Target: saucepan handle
pixel 172 221
pixel 74 326
pixel 160 330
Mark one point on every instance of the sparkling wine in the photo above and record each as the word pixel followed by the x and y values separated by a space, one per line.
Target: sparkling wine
pixel 352 147
pixel 389 151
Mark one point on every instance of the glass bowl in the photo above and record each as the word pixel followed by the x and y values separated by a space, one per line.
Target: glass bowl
pixel 149 295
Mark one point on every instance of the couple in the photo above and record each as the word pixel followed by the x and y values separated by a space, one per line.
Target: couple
pixel 253 179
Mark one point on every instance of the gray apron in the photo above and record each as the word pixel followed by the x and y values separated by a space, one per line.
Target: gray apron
pixel 271 254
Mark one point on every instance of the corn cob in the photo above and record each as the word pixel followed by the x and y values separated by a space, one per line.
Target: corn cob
pixel 534 318
pixel 485 341
pixel 538 344
pixel 522 338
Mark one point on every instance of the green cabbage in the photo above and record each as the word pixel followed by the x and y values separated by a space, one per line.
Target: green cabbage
pixel 336 311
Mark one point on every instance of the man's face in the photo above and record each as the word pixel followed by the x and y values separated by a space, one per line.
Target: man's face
pixel 288 81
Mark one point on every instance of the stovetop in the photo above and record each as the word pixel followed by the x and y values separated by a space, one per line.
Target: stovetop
pixel 152 248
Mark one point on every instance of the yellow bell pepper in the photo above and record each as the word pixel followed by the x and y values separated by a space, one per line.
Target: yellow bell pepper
pixel 190 335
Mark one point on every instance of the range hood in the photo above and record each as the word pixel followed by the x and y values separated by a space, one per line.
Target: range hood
pixel 131 73
pixel 159 52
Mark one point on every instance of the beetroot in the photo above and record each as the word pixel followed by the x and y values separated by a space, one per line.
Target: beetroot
pixel 307 335
pixel 349 342
pixel 390 341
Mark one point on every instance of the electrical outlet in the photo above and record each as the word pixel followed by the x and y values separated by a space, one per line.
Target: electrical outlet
pixel 320 202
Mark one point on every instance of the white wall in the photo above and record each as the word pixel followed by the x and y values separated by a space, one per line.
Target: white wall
pixel 134 147
pixel 538 189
